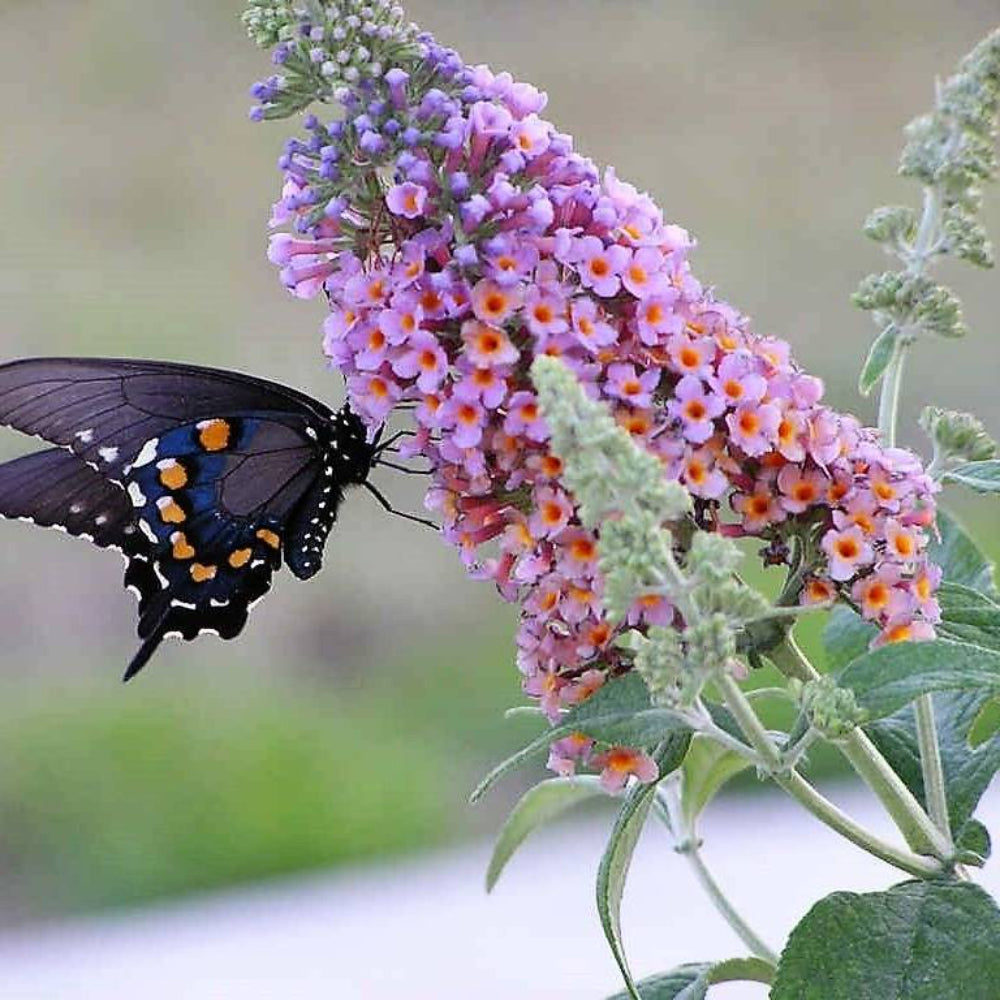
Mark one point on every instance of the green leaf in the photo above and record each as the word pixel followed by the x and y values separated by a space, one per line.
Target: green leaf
pixel 981 476
pixel 707 767
pixel 619 712
pixel 691 982
pixel 930 940
pixel 886 679
pixel 539 805
pixel 959 556
pixel 686 982
pixel 846 637
pixel 968 769
pixel 613 869
pixel 968 616
pixel 879 357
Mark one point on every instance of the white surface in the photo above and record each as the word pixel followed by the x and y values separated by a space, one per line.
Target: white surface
pixel 425 930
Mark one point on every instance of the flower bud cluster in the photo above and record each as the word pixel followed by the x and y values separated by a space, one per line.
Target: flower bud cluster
pixel 958 437
pixel 458 236
pixel 832 711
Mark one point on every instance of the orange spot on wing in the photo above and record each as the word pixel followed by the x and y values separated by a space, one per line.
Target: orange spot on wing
pixel 240 558
pixel 214 434
pixel 173 475
pixel 171 512
pixel 269 538
pixel 201 573
pixel 182 549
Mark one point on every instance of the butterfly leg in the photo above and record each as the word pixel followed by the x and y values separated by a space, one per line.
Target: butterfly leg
pixel 399 513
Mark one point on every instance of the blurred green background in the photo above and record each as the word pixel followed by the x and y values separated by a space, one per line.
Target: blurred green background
pixel 353 716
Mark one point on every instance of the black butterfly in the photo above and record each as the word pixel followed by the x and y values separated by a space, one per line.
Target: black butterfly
pixel 204 480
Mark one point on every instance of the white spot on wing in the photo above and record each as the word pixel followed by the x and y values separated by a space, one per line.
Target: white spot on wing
pixel 85 436
pixel 148 531
pixel 75 508
pixel 136 494
pixel 108 454
pixel 146 454
pixel 175 603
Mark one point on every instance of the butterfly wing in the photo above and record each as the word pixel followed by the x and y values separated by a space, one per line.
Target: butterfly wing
pixel 105 410
pixel 55 489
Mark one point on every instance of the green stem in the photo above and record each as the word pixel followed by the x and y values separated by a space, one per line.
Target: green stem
pixel 686 843
pixel 931 769
pixel 824 810
pixel 916 826
pixel 892 381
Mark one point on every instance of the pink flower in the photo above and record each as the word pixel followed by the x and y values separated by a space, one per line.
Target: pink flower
pixel 424 360
pixel 760 509
pixel 552 513
pixel 524 417
pixel 695 408
pixel 737 382
pixel 407 200
pixel 494 303
pixel 626 384
pixel 848 551
pixel 487 346
pixel 600 266
pixel 754 427
pixel 590 328
pixel 801 488
pixel 467 418
pixel 643 276
pixel 374 395
pixel 531 136
pixel 545 312
pixel 620 763
pixel 655 317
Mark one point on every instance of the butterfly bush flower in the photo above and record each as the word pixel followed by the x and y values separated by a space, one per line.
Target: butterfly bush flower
pixel 457 235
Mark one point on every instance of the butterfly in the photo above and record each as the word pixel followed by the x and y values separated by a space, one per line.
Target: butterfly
pixel 205 480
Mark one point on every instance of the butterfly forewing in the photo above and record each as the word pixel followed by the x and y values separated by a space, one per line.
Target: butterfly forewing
pixel 54 489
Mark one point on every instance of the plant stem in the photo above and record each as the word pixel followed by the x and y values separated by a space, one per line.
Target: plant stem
pixel 888 408
pixel 935 792
pixel 920 832
pixel 824 810
pixel 686 843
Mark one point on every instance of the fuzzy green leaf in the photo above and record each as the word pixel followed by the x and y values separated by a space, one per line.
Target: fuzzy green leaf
pixel 917 941
pixel 846 637
pixel 968 616
pixel 613 869
pixel 539 805
pixel 879 357
pixel 886 679
pixel 984 477
pixel 959 556
pixel 691 982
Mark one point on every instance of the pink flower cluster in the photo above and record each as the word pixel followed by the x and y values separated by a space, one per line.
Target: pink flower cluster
pixel 497 242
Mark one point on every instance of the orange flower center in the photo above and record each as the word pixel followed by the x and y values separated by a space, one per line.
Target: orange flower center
pixel 848 548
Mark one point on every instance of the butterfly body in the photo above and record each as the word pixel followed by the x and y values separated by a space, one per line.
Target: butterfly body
pixel 206 481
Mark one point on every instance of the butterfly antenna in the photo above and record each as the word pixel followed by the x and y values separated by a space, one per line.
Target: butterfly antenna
pixel 399 513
